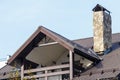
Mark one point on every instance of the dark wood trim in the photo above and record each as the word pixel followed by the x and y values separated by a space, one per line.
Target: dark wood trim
pixel 86 56
pixel 28 44
pixel 57 38
pixel 73 63
pixel 38 35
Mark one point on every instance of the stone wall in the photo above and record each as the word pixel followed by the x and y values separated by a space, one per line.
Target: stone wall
pixel 102 31
pixel 107 31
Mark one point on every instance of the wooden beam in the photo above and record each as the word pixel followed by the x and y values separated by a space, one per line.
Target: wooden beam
pixel 47 68
pixel 47 44
pixel 48 74
pixel 46 77
pixel 71 64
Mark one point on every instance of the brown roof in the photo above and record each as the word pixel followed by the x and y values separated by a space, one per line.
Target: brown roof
pixel 99 76
pixel 40 33
pixel 5 72
pixel 108 65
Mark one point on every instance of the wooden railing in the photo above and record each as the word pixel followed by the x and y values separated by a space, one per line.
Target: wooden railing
pixel 46 71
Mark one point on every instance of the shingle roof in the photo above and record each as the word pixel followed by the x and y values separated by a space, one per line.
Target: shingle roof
pixel 5 72
pixel 99 76
pixel 109 63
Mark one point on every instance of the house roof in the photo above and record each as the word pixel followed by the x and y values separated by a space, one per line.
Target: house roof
pixel 110 63
pixel 40 33
pixel 5 72
pixel 101 76
pixel 108 67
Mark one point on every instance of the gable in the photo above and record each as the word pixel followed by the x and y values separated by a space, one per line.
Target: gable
pixel 43 35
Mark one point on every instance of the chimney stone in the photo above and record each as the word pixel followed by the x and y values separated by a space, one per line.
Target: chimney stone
pixel 102 29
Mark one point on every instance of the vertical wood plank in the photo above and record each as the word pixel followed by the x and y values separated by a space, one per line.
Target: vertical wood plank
pixel 46 77
pixel 22 71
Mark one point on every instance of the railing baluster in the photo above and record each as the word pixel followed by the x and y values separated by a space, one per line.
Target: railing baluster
pixel 46 77
pixel 46 69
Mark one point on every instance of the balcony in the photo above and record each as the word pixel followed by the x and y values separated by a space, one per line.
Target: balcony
pixel 55 72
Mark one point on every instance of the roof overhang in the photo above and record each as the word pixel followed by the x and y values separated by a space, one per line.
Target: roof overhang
pixel 33 41
pixel 41 33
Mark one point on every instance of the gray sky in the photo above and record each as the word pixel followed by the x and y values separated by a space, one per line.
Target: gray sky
pixel 70 18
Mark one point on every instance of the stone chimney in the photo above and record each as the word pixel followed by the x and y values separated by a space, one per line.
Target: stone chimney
pixel 102 29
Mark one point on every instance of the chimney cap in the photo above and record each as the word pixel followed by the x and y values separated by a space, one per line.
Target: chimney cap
pixel 99 8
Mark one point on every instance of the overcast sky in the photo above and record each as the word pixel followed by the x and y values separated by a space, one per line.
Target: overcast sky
pixel 70 18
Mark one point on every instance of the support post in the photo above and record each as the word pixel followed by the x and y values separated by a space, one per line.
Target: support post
pixel 22 71
pixel 71 59
pixel 46 77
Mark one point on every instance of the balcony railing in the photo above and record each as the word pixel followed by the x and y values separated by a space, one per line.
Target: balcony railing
pixel 46 72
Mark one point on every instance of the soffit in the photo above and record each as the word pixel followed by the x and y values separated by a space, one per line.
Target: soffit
pixel 46 55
